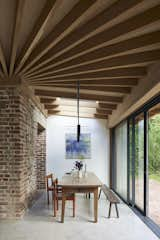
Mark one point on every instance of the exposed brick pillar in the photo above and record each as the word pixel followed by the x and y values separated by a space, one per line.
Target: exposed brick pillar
pixel 41 158
pixel 18 156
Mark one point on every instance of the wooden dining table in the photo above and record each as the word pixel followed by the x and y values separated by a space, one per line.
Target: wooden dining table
pixel 87 184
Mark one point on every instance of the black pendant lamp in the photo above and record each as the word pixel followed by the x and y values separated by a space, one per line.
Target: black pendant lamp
pixel 78 125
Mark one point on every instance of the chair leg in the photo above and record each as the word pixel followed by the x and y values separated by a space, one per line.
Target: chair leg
pixel 116 207
pixel 88 195
pixel 54 207
pixel 48 197
pixel 57 204
pixel 74 207
pixel 109 213
pixel 99 193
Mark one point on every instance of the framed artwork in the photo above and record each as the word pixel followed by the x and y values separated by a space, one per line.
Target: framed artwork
pixel 78 150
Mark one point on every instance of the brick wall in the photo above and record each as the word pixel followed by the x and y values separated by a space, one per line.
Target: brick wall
pixel 18 152
pixel 41 157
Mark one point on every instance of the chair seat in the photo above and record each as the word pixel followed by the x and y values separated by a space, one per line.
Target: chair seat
pixel 50 188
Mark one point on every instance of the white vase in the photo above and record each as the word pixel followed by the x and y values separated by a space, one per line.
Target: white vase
pixel 80 173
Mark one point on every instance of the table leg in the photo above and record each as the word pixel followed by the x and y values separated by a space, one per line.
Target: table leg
pixel 63 206
pixel 95 204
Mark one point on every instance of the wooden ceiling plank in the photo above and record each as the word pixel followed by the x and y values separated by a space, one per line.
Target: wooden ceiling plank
pixel 47 11
pixel 101 116
pixel 139 44
pixel 88 70
pixel 50 111
pixel 3 61
pixel 1 74
pixel 50 106
pixel 104 111
pixel 79 35
pixel 95 81
pixel 120 72
pixel 16 31
pixel 102 54
pixel 68 112
pixel 71 109
pixel 99 105
pixel 99 88
pixel 72 114
pixel 107 106
pixel 47 100
pixel 106 37
pixel 44 93
pixel 64 27
pixel 142 58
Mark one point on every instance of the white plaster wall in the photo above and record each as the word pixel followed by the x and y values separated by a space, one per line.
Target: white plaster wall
pixel 58 126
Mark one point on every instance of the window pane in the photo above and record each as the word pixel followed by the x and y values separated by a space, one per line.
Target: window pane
pixel 154 163
pixel 139 161
pixel 121 159
pixel 130 160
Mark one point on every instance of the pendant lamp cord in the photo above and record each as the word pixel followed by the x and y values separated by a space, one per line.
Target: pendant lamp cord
pixel 78 88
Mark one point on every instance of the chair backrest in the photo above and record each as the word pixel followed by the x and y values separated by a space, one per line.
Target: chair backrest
pixel 55 187
pixel 49 180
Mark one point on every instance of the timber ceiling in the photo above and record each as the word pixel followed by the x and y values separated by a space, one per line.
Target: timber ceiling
pixel 105 44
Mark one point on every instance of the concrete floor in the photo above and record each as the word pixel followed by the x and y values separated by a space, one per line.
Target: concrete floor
pixel 154 200
pixel 39 224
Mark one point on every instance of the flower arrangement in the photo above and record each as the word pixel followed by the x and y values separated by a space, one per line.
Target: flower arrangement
pixel 78 165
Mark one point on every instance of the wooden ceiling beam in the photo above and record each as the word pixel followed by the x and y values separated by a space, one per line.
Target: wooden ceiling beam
pixel 63 28
pixel 47 100
pixel 101 116
pixel 16 31
pixel 37 31
pixel 1 74
pixel 50 106
pixel 107 106
pixel 139 59
pixel 3 61
pixel 103 111
pixel 88 66
pixel 52 112
pixel 73 109
pixel 138 44
pixel 49 93
pixel 97 88
pixel 127 82
pixel 121 72
pixel 107 110
pixel 104 38
pixel 72 114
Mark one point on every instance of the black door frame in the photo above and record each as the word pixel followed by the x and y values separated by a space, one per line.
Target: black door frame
pixel 131 118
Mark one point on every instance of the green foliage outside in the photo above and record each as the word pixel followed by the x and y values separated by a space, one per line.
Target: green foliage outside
pixel 154 147
pixel 139 147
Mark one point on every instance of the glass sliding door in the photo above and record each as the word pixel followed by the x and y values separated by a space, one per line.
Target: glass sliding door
pixel 154 163
pixel 121 160
pixel 130 160
pixel 139 161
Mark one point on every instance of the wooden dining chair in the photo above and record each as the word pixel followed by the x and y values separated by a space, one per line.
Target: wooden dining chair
pixel 49 185
pixel 57 195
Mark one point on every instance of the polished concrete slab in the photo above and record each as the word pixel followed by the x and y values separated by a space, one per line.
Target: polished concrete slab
pixel 39 223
